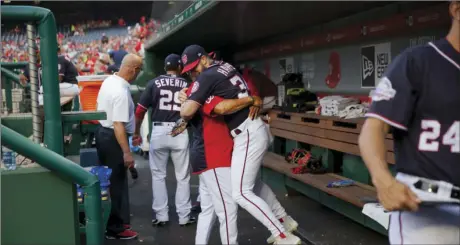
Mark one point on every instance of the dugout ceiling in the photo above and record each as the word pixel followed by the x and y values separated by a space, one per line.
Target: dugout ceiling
pixel 232 25
pixel 71 12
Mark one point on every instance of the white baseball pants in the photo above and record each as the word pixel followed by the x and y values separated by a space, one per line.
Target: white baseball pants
pixel 217 201
pixel 215 191
pixel 162 146
pixel 251 140
pixel 430 224
pixel 145 145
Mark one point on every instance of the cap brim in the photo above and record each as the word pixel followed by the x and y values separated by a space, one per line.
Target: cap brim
pixel 212 55
pixel 190 66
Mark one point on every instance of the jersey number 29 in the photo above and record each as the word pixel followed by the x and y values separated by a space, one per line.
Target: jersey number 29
pixel 166 100
pixel 429 137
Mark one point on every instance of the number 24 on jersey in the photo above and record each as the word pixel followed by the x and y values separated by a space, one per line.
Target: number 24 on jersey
pixel 430 137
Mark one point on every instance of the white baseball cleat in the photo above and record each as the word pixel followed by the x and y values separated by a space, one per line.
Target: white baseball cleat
pixel 288 239
pixel 289 224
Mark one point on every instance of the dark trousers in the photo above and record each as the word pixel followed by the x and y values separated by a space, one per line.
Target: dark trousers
pixel 111 155
pixel 125 211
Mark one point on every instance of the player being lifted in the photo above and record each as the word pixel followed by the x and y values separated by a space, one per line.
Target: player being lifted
pixel 418 101
pixel 210 158
pixel 250 137
pixel 161 94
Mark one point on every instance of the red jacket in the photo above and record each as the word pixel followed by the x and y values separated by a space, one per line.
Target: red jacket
pixel 212 145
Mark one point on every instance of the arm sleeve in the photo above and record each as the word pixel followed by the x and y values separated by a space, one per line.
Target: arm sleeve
pixel 189 89
pixel 62 66
pixel 201 89
pixel 210 104
pixel 120 108
pixel 394 98
pixel 146 98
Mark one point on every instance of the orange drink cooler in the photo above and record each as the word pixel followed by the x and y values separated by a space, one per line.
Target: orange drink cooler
pixel 89 88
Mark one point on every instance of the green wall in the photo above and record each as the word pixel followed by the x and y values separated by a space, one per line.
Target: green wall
pixel 37 207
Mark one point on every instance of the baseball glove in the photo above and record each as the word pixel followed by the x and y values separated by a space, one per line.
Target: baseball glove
pixel 179 127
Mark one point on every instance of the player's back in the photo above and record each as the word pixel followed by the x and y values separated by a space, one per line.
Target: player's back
pixel 429 143
pixel 165 101
pixel 227 83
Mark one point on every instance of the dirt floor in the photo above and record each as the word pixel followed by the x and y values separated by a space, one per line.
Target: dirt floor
pixel 318 224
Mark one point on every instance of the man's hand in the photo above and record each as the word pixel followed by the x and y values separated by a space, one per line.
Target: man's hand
pixel 128 159
pixel 180 127
pixel 257 101
pixel 136 140
pixel 255 108
pixel 396 196
pixel 183 95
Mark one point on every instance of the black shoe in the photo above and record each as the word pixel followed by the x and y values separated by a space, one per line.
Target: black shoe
pixel 156 222
pixel 134 174
pixel 146 155
pixel 196 208
pixel 191 220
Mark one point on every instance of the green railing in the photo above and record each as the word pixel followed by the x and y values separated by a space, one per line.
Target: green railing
pixel 61 165
pixel 7 78
pixel 44 18
pixel 183 16
pixel 14 65
pixel 51 157
pixel 9 75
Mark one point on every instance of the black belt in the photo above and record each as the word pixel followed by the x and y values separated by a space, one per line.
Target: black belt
pixel 110 130
pixel 433 188
pixel 162 123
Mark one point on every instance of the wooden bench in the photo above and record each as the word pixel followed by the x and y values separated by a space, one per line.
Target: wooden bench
pixel 351 194
pixel 336 140
pixel 323 131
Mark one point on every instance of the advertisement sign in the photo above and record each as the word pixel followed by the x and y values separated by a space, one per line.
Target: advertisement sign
pixel 374 61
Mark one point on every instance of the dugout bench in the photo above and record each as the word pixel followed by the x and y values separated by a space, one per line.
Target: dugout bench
pixel 336 141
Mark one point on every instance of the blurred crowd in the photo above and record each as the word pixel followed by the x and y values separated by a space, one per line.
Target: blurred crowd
pixel 81 28
pixel 98 54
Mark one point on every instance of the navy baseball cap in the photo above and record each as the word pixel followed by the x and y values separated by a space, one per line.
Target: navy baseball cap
pixel 172 61
pixel 112 69
pixel 191 57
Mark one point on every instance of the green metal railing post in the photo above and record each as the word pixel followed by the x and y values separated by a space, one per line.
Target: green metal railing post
pixel 7 74
pixel 13 65
pixel 55 162
pixel 48 53
pixel 13 77
pixel 8 94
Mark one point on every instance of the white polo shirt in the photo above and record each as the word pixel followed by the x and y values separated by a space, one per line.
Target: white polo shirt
pixel 115 99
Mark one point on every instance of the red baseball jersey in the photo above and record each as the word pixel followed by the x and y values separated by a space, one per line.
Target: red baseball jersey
pixel 212 144
pixel 252 88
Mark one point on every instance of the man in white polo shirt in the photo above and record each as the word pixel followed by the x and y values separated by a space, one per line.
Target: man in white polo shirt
pixel 112 138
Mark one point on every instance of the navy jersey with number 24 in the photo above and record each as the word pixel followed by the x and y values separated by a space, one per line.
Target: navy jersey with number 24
pixel 223 80
pixel 419 98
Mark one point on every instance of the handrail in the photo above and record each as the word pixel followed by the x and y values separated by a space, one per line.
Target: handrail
pixel 48 53
pixel 14 65
pixel 60 164
pixel 12 76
